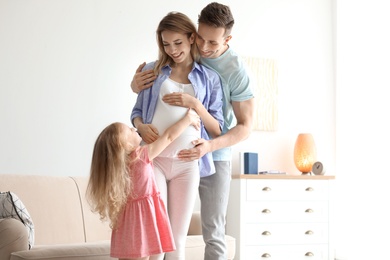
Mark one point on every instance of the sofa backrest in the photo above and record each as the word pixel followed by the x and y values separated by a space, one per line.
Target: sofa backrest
pixel 57 207
pixel 95 229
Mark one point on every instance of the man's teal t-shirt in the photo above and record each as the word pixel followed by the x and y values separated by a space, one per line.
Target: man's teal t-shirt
pixel 236 86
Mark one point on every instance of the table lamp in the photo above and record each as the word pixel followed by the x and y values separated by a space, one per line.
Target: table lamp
pixel 305 153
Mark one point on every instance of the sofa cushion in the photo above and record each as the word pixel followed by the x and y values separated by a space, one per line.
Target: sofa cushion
pixel 231 246
pixel 85 251
pixel 195 224
pixel 195 247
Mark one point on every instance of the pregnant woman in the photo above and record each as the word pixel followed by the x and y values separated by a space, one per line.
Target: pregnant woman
pixel 181 83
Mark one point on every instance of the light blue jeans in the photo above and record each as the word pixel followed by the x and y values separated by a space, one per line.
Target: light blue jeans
pixel 214 196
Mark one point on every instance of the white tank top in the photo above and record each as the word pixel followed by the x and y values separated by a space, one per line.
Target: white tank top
pixel 166 115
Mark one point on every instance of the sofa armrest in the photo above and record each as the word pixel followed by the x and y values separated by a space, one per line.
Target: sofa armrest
pixel 13 237
pixel 196 224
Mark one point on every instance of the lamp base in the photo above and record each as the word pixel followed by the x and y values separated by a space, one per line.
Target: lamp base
pixel 306 173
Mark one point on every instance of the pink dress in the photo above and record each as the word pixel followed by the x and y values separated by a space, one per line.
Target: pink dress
pixel 143 226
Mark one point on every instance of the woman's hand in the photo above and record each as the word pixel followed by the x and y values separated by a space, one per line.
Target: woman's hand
pixel 148 132
pixel 180 99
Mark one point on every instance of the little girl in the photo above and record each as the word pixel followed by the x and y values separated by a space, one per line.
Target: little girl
pixel 122 189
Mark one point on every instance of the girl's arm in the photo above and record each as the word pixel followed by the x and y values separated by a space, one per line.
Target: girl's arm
pixel 155 148
pixel 210 123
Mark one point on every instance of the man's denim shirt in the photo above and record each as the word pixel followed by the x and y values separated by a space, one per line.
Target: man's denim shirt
pixel 208 90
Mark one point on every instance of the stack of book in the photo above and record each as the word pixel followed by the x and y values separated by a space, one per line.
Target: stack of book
pixel 250 164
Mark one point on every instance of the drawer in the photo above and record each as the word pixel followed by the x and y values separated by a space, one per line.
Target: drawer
pixel 301 252
pixel 286 190
pixel 286 233
pixel 282 211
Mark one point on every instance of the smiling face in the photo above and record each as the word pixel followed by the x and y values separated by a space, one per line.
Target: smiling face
pixel 177 45
pixel 176 41
pixel 211 41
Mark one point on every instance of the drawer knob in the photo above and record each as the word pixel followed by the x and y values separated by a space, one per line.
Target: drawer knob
pixel 309 254
pixel 309 232
pixel 265 255
pixel 266 189
pixel 266 211
pixel 309 211
pixel 309 189
pixel 266 233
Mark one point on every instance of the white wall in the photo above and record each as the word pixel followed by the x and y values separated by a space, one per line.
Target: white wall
pixel 362 198
pixel 66 66
pixel 299 35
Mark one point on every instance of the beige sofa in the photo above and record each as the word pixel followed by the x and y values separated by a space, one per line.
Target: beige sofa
pixel 65 227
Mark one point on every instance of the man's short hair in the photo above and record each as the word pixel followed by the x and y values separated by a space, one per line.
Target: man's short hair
pixel 217 15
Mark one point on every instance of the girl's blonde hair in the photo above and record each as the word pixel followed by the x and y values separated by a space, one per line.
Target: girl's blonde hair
pixel 109 183
pixel 175 22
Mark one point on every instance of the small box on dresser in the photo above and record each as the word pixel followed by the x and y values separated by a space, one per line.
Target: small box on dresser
pixel 280 217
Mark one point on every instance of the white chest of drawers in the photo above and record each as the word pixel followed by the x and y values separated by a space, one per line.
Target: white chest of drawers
pixel 281 217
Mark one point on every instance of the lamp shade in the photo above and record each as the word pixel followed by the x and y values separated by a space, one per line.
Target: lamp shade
pixel 305 153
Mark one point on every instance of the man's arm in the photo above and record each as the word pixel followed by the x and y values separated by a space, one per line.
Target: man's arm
pixel 142 79
pixel 244 114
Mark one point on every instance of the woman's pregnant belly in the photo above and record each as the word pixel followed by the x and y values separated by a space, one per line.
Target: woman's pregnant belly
pixel 167 115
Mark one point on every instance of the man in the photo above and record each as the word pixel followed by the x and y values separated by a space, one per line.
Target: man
pixel 215 24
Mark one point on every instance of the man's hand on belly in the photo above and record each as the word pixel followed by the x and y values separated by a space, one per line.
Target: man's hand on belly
pixel 201 148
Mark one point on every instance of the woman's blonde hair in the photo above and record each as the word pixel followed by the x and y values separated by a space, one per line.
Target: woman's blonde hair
pixel 175 22
pixel 109 183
